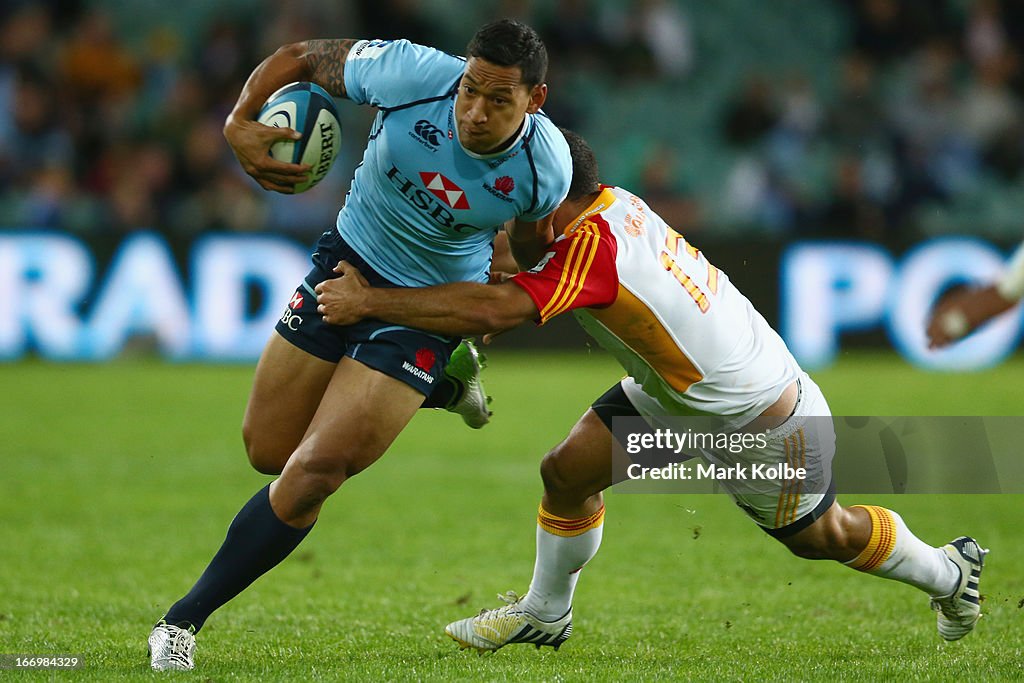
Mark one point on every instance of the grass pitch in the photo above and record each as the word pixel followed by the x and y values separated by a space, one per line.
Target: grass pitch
pixel 119 482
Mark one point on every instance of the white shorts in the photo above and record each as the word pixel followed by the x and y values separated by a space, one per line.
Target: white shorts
pixel 806 439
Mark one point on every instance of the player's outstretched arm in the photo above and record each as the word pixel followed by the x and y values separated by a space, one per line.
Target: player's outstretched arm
pixel 459 308
pixel 318 61
pixel 963 310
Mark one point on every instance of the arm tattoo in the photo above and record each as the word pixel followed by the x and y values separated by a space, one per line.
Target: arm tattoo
pixel 326 60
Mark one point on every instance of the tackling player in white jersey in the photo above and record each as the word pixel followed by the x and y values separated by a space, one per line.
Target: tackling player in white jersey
pixel 692 344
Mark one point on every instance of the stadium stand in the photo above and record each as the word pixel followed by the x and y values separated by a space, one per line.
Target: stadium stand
pixel 880 119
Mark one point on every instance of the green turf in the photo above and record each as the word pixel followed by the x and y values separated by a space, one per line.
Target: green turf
pixel 119 481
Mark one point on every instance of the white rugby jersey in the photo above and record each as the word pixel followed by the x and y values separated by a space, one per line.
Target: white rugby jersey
pixel 673 320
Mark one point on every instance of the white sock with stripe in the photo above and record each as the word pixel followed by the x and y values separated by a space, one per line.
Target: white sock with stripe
pixel 564 546
pixel 896 553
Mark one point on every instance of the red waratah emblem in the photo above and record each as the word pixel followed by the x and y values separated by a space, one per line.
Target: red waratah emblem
pixel 504 184
pixel 425 359
pixel 296 302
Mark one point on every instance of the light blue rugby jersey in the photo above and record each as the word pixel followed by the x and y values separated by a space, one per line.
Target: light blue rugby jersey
pixel 422 210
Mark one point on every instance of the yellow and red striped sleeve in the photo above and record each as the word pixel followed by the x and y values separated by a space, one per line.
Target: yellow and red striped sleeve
pixel 580 272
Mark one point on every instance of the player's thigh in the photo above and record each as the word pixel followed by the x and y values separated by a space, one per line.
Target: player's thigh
pixel 385 373
pixel 361 413
pixel 788 484
pixel 296 365
pixel 288 387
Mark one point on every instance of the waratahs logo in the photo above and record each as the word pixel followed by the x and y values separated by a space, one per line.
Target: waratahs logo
pixel 504 184
pixel 425 359
pixel 501 188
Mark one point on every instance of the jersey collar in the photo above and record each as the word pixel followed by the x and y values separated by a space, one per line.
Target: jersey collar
pixel 603 201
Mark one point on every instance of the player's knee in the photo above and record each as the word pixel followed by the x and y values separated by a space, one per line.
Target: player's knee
pixel 263 457
pixel 559 484
pixel 809 549
pixel 264 463
pixel 305 484
pixel 329 467
pixel 320 477
pixel 551 475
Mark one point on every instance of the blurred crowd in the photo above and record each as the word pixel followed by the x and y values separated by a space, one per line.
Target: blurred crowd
pixel 909 113
pixel 926 119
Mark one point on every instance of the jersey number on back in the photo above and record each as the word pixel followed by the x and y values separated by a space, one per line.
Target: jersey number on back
pixel 669 260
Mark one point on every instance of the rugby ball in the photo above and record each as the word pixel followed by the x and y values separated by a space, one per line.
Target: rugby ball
pixel 309 109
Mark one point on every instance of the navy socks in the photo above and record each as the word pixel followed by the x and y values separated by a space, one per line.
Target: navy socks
pixel 257 541
pixel 443 394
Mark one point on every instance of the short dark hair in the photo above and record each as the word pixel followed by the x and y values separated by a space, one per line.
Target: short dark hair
pixel 586 178
pixel 508 42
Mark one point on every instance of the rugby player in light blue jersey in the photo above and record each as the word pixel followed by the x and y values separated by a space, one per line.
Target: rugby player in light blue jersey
pixel 459 149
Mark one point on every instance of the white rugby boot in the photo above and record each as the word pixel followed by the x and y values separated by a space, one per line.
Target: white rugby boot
pixel 471 400
pixel 171 648
pixel 959 611
pixel 493 629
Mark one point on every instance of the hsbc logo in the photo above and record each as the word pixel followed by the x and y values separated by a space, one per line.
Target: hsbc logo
pixel 434 201
pixel 427 134
pixel 290 320
pixel 446 190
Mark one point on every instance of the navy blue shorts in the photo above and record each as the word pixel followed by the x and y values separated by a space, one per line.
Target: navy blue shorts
pixel 412 356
